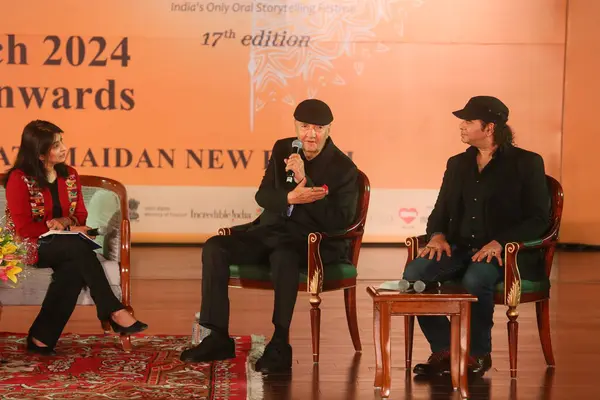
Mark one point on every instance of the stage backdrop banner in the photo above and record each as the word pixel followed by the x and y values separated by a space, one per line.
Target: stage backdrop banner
pixel 182 101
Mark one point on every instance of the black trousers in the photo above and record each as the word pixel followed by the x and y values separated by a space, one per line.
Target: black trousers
pixel 75 266
pixel 286 255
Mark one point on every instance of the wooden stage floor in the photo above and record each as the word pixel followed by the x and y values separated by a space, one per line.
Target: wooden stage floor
pixel 166 294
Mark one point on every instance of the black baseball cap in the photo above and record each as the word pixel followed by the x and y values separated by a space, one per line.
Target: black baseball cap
pixel 313 111
pixel 485 108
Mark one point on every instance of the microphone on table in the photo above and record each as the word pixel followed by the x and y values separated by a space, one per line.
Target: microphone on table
pixel 418 286
pixel 421 286
pixel 296 147
pixel 403 285
pixel 101 230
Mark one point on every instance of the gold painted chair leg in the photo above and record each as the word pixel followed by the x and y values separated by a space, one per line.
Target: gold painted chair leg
pixel 513 335
pixel 315 324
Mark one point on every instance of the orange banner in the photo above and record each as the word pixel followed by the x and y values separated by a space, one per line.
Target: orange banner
pixel 190 96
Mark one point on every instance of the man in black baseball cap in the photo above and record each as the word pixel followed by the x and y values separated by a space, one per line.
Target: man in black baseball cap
pixel 485 108
pixel 492 194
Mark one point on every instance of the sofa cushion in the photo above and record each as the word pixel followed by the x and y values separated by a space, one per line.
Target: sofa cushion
pixel 104 211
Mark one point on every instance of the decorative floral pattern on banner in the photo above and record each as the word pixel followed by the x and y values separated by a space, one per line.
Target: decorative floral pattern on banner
pixel 337 29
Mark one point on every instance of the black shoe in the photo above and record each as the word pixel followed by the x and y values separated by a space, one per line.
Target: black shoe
pixel 212 348
pixel 480 365
pixel 130 330
pixel 42 351
pixel 437 364
pixel 277 357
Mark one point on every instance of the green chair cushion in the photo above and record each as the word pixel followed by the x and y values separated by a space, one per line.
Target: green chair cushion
pixel 332 272
pixel 528 286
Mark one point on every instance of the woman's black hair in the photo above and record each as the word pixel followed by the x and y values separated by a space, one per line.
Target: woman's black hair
pixel 36 141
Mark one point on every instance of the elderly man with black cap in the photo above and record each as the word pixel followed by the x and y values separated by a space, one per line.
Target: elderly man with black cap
pixel 310 190
pixel 491 194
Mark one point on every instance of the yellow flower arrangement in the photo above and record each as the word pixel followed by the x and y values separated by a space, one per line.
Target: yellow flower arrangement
pixel 13 255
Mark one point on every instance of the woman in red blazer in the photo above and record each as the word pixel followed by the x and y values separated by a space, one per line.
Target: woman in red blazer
pixel 43 194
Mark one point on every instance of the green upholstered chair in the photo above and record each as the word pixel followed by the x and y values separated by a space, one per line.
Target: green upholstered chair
pixel 106 202
pixel 317 278
pixel 514 290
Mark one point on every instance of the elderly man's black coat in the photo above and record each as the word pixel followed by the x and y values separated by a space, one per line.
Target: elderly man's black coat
pixel 335 212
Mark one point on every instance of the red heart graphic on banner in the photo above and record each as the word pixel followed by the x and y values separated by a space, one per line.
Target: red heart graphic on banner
pixel 408 215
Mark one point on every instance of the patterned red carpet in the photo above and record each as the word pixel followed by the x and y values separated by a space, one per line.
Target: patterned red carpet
pixel 94 367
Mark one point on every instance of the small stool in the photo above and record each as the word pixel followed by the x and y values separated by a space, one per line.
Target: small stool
pixel 451 301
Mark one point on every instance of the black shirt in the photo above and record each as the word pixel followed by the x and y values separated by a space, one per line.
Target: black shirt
pixel 56 207
pixel 476 187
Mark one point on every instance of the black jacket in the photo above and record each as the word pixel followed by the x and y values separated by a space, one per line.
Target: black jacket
pixel 334 213
pixel 516 207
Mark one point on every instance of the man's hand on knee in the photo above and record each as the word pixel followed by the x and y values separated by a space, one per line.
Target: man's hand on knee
pixel 436 247
pixel 491 250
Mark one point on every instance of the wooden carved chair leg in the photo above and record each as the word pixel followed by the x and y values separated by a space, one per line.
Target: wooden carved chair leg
pixel 351 316
pixel 542 309
pixel 315 324
pixel 105 326
pixel 125 342
pixel 513 334
pixel 409 328
pixel 377 341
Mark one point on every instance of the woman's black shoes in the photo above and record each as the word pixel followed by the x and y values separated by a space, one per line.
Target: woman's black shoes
pixel 42 351
pixel 130 330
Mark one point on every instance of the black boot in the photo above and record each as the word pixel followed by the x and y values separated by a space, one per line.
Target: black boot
pixel 214 347
pixel 437 364
pixel 480 365
pixel 277 357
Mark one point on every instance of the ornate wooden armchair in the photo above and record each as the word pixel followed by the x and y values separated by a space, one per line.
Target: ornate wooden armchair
pixel 514 290
pixel 107 205
pixel 317 278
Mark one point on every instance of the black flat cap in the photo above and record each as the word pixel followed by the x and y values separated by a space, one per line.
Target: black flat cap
pixel 313 111
pixel 485 108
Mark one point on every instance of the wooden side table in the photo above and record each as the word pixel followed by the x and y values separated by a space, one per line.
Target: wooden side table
pixel 451 301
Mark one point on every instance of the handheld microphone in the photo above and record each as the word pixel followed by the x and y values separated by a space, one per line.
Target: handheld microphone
pixel 417 286
pixel 403 285
pixel 421 286
pixel 101 230
pixel 296 147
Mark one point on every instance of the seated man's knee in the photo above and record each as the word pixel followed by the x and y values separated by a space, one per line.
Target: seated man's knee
pixel 480 277
pixel 415 270
pixel 286 257
pixel 213 246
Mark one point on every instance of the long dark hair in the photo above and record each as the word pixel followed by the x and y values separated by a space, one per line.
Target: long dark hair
pixel 36 141
pixel 503 134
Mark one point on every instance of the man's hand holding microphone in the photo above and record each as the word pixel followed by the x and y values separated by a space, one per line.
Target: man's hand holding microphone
pixel 294 165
